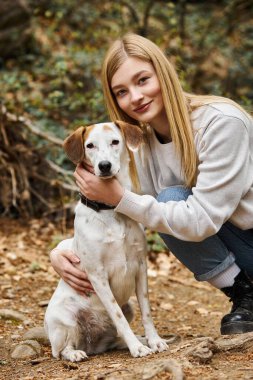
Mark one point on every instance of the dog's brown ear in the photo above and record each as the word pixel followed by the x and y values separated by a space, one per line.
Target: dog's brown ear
pixel 74 145
pixel 132 133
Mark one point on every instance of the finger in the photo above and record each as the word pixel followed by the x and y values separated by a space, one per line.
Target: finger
pixel 83 291
pixel 75 277
pixel 88 166
pixel 70 255
pixel 80 284
pixel 75 272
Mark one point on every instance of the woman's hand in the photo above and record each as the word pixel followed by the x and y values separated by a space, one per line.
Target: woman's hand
pixel 63 262
pixel 107 191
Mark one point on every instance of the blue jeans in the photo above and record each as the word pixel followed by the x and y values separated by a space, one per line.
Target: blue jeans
pixel 213 255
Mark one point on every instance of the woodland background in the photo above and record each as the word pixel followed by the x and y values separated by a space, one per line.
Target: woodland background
pixel 50 62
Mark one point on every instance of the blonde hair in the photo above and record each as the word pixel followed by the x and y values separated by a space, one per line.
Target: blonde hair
pixel 177 103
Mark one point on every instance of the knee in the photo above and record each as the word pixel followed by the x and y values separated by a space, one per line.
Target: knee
pixel 174 193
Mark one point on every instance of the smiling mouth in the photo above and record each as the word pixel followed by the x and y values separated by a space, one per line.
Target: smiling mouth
pixel 143 107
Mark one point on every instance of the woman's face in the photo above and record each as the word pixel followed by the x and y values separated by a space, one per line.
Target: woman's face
pixel 137 90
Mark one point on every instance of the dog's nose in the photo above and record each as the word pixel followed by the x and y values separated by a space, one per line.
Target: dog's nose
pixel 105 167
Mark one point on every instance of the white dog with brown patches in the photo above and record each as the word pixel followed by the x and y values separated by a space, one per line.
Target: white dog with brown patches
pixel 112 251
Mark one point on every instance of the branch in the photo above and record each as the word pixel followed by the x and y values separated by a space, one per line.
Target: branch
pixel 27 123
pixel 58 169
pixel 134 14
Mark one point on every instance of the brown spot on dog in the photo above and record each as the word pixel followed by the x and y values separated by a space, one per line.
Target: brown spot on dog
pixel 145 295
pixel 113 300
pixel 148 315
pixel 93 335
pixel 88 131
pixel 118 314
pixel 107 128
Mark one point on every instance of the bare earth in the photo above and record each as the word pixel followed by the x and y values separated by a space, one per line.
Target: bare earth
pixel 189 310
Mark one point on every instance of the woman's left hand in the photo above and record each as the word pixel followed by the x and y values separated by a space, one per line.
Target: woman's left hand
pixel 107 191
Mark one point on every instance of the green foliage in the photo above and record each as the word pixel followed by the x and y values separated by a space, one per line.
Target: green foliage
pixel 57 81
pixel 155 242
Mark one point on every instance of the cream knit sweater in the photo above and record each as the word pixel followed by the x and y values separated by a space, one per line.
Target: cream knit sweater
pixel 224 188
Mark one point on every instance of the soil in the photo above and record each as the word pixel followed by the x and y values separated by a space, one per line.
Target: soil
pixel 180 306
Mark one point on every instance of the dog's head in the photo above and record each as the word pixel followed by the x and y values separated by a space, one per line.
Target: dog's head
pixel 103 145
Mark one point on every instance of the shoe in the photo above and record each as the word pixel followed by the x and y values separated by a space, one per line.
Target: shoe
pixel 240 318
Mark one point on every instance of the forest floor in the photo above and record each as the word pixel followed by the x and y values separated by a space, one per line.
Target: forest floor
pixel 180 306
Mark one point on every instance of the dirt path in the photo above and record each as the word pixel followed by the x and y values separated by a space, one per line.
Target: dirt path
pixel 180 306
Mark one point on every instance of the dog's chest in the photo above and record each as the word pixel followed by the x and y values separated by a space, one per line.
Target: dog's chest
pixel 110 243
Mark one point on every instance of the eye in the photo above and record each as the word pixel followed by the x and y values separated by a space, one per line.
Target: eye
pixel 120 93
pixel 143 80
pixel 90 146
pixel 115 142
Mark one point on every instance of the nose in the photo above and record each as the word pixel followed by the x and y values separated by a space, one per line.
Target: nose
pixel 136 95
pixel 104 167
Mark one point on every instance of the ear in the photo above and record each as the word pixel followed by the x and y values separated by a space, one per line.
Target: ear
pixel 132 133
pixel 74 145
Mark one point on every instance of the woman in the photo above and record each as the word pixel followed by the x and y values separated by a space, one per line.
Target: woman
pixel 195 172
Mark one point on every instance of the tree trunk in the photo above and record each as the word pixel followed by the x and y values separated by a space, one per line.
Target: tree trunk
pixel 15 31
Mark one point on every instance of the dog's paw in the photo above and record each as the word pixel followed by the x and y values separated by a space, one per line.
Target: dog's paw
pixel 140 350
pixel 157 344
pixel 74 355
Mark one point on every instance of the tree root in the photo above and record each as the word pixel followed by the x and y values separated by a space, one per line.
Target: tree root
pixel 32 184
pixel 164 365
pixel 202 349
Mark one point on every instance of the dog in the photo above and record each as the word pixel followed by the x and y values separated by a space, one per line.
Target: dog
pixel 112 251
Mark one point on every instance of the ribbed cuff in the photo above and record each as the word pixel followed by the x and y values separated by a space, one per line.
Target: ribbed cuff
pixel 130 205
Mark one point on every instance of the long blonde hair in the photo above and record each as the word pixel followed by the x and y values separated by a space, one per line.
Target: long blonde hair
pixel 177 103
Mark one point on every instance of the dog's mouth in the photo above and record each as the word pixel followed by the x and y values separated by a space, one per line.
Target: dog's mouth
pixel 106 175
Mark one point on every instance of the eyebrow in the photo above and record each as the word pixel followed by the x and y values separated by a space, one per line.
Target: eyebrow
pixel 133 78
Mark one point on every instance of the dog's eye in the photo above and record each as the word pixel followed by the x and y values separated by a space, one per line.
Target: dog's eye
pixel 115 142
pixel 90 146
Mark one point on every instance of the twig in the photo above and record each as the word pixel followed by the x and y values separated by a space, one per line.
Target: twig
pixel 186 283
pixel 4 134
pixel 54 182
pixel 27 123
pixel 41 199
pixel 14 186
pixel 102 376
pixel 58 169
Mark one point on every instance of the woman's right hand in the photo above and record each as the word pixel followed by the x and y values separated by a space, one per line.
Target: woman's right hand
pixel 63 262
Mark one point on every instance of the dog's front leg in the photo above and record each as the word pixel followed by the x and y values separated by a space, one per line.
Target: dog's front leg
pixel 155 342
pixel 103 291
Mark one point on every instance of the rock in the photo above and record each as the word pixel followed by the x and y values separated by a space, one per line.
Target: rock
pixel 11 270
pixel 27 349
pixel 11 256
pixel 38 334
pixel 15 336
pixel 166 306
pixel 202 311
pixel 11 314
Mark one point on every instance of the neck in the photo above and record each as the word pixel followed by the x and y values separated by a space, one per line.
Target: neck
pixel 161 127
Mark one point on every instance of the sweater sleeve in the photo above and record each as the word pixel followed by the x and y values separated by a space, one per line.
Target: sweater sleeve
pixel 223 154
